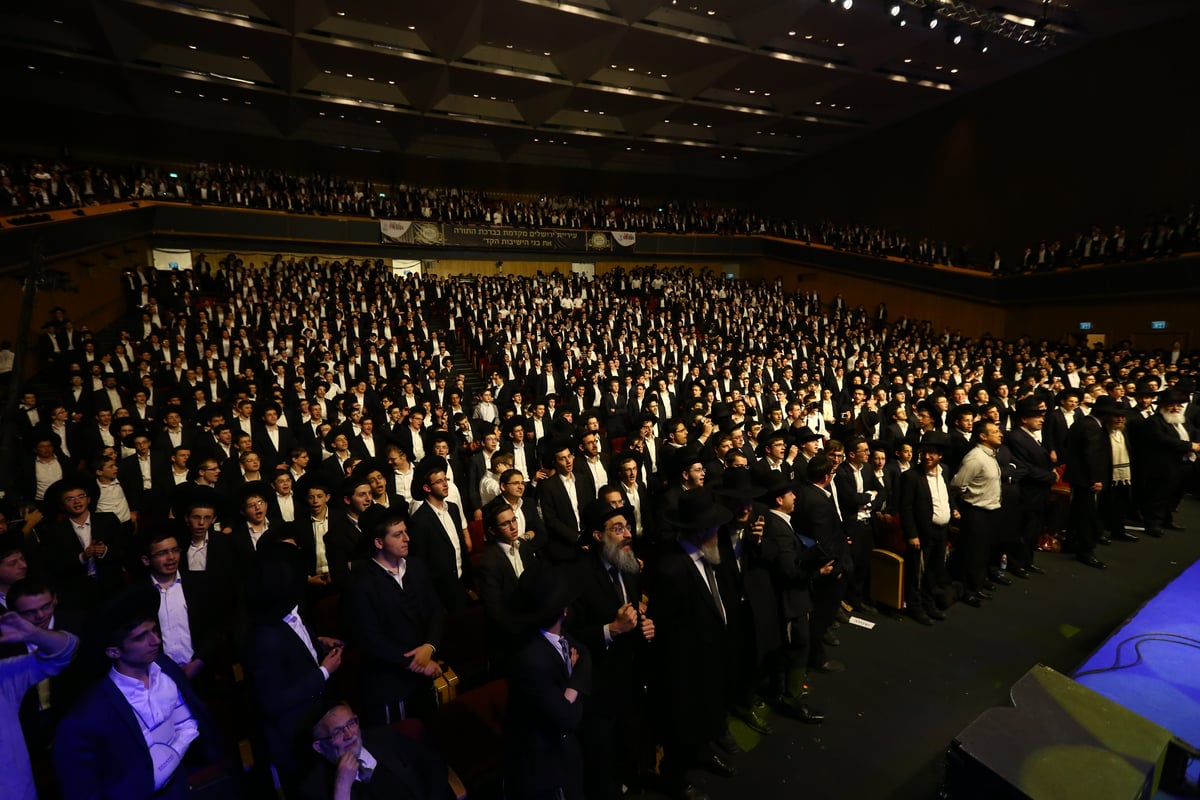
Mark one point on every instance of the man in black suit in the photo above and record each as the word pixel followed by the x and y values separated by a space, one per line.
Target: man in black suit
pixel 927 507
pixel 1026 442
pixel 344 542
pixel 378 763
pixel 637 496
pixel 793 559
pixel 1089 470
pixel 545 707
pixel 818 515
pixel 608 616
pixel 439 535
pixel 1060 421
pixel 288 672
pixel 137 474
pixel 1168 448
pixel 392 612
pixel 85 552
pixel 562 501
pixel 694 609
pixel 188 614
pixel 104 747
pixel 506 556
pixel 859 497
pixel 272 442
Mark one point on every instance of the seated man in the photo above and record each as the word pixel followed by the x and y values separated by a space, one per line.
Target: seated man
pixel 131 731
pixel 378 762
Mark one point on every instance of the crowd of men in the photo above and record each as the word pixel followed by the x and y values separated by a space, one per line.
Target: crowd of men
pixel 679 478
pixel 33 185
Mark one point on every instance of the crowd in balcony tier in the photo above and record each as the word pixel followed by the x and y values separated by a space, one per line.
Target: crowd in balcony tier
pixel 653 515
pixel 30 187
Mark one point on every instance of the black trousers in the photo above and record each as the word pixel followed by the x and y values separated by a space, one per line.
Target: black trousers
pixel 1084 528
pixel 1033 525
pixel 1114 506
pixel 976 535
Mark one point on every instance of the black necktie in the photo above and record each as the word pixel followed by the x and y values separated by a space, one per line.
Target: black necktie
pixel 615 576
pixel 712 587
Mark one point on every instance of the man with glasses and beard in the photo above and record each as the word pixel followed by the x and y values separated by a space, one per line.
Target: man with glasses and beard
pixel 363 764
pixel 609 618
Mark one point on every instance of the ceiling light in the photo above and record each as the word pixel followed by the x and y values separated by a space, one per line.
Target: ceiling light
pixel 341 13
pixel 954 71
pixel 895 10
pixel 847 4
pixel 191 47
pixel 412 27
pixel 791 33
pixel 349 75
pixel 908 61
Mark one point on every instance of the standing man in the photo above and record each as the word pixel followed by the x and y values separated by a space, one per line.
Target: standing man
pixel 1089 469
pixel 977 485
pixel 694 610
pixel 439 536
pixel 393 613
pixel 1169 448
pixel 1025 442
pixel 927 507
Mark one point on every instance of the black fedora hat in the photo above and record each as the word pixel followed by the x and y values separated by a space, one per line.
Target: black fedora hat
pixel 544 592
pixel 698 509
pixel 1030 406
pixel 777 484
pixel 937 440
pixel 738 483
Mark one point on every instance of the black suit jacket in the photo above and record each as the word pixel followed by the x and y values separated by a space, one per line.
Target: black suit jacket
pixel 429 542
pixel 559 516
pixel 692 647
pixel 100 751
pixel 541 742
pixel 1089 453
pixel 505 624
pixel 916 504
pixel 1039 473
pixel 61 551
pixel 387 621
pixel 613 666
pixel 792 577
pixel 289 688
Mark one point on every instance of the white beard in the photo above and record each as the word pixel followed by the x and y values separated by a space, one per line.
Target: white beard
pixel 1173 418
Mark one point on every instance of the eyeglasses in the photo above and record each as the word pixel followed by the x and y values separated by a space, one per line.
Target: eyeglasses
pixel 336 733
pixel 74 497
pixel 506 523
pixel 514 483
pixel 620 527
pixel 170 551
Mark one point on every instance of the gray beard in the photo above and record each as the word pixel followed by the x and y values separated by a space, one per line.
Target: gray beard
pixel 711 551
pixel 624 560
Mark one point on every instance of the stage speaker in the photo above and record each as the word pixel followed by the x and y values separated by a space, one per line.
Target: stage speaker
pixel 1059 741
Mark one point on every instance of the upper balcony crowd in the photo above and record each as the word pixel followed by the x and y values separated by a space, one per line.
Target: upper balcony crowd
pixel 31 187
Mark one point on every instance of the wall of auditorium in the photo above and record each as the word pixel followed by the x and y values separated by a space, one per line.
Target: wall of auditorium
pixel 1129 320
pixel 97 274
pixel 972 318
pixel 1102 136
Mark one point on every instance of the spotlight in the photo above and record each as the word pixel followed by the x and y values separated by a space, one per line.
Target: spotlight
pixel 953 36
pixel 932 21
pixel 847 4
pixel 895 9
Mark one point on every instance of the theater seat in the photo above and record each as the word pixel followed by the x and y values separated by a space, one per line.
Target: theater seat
pixel 469 732
pixel 464 647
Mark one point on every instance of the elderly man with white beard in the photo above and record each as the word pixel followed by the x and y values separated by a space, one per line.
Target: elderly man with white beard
pixel 1169 448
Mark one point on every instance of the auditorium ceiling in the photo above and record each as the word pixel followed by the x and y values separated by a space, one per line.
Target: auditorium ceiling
pixel 722 87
